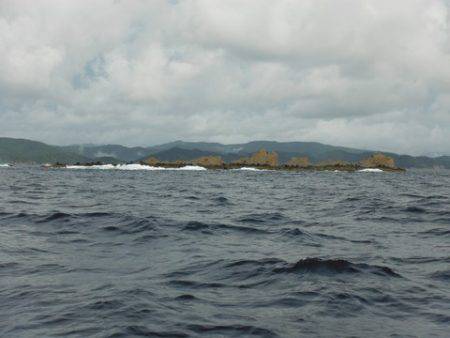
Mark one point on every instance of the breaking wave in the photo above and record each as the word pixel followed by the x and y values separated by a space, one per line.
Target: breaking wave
pixel 132 167
pixel 250 169
pixel 370 170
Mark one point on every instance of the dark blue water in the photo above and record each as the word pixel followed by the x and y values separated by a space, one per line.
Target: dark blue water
pixel 224 254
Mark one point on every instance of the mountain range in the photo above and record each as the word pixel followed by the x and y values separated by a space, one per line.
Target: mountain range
pixel 27 151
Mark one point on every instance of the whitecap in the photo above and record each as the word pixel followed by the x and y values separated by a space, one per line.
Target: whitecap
pixel 133 166
pixel 136 166
pixel 370 170
pixel 190 167
pixel 147 167
pixel 250 169
pixel 4 165
pixel 97 166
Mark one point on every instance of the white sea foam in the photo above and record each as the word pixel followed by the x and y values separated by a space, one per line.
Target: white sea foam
pixel 4 165
pixel 370 170
pixel 102 166
pixel 133 166
pixel 190 167
pixel 136 166
pixel 250 169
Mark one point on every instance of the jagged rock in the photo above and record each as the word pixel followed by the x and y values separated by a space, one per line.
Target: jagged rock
pixel 265 158
pixel 378 160
pixel 151 161
pixel 260 158
pixel 298 162
pixel 209 161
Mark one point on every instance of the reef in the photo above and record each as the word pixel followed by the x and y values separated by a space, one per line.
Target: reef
pixel 268 161
pixel 260 158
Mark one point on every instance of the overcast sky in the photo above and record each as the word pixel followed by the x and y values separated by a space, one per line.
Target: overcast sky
pixel 368 74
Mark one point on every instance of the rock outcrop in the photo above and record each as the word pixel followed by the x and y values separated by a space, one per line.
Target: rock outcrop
pixel 269 160
pixel 378 160
pixel 151 161
pixel 298 162
pixel 209 161
pixel 260 158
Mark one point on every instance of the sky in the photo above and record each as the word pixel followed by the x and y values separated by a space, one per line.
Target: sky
pixel 359 73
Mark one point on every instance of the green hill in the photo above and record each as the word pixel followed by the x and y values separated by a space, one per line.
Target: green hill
pixel 20 150
pixel 121 153
pixel 317 152
pixel 26 151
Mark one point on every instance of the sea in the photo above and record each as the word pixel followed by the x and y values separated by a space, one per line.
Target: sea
pixel 109 252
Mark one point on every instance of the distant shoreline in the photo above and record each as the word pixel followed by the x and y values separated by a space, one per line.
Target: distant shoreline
pixel 15 151
pixel 192 166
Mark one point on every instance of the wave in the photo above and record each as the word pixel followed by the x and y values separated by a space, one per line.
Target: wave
pixel 263 218
pixel 143 331
pixel 268 270
pixel 133 167
pixel 101 166
pixel 221 200
pixel 4 165
pixel 231 330
pixel 436 231
pixel 209 228
pixel 109 222
pixel 190 167
pixel 118 223
pixel 414 209
pixel 318 265
pixel 441 275
pixel 370 170
pixel 250 169
pixel 186 297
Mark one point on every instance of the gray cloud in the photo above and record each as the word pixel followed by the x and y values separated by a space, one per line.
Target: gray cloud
pixel 372 74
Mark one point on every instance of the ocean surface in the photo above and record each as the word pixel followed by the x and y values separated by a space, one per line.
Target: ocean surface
pixel 187 253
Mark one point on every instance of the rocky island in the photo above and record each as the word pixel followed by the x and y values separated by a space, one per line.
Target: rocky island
pixel 269 160
pixel 263 160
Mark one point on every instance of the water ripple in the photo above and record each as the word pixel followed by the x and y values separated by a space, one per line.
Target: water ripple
pixel 223 254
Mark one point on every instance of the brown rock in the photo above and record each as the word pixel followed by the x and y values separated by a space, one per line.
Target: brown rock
pixel 151 161
pixel 261 158
pixel 298 162
pixel 209 161
pixel 378 160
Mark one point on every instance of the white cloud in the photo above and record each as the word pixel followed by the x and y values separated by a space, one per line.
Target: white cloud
pixel 373 74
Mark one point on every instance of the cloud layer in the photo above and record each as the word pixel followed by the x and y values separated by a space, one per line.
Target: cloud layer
pixel 369 74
